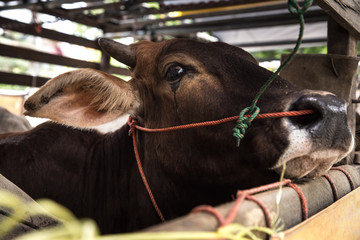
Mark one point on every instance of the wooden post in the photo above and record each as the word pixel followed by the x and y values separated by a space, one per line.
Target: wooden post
pixel 341 42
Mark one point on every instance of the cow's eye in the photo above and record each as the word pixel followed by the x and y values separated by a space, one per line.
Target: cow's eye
pixel 174 73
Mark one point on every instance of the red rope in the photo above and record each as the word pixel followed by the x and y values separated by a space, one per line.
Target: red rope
pixel 248 194
pixel 348 176
pixel 304 208
pixel 141 171
pixel 263 208
pixel 224 120
pixel 241 194
pixel 333 187
pixel 211 210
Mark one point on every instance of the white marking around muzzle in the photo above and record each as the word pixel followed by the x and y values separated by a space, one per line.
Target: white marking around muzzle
pixel 300 143
pixel 303 157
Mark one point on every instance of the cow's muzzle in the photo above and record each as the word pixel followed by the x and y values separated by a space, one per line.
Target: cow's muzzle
pixel 328 123
pixel 319 140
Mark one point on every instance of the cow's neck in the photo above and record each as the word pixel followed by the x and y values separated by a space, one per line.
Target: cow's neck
pixel 107 181
pixel 175 167
pixel 177 190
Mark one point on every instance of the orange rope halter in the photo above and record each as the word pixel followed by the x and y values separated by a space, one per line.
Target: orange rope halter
pixel 134 125
pixel 220 121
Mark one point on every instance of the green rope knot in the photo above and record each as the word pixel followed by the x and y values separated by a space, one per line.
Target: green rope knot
pixel 244 122
pixel 295 9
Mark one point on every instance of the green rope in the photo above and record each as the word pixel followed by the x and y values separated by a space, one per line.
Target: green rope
pixel 245 122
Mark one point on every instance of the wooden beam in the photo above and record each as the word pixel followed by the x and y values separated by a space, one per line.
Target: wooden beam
pixel 342 42
pixel 36 81
pixel 22 79
pixel 344 12
pixel 120 71
pixel 318 194
pixel 284 42
pixel 46 33
pixel 32 55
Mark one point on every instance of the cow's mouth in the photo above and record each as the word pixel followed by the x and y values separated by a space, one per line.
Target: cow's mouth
pixel 314 164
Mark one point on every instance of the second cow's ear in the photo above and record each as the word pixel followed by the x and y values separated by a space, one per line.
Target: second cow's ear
pixel 83 98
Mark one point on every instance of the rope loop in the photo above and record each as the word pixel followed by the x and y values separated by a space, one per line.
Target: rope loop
pixel 132 122
pixel 244 122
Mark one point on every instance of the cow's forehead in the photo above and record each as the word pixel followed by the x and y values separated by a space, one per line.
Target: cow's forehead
pixel 151 51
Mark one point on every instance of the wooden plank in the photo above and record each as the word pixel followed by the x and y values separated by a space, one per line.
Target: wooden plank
pixel 338 221
pixel 29 54
pixel 36 81
pixel 342 42
pixel 32 55
pixel 46 33
pixel 317 191
pixel 120 71
pixel 22 79
pixel 345 12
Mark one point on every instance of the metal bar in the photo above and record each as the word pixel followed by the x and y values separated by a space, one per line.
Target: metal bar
pixel 285 42
pixel 240 23
pixel 38 6
pixel 95 6
pixel 142 22
pixel 79 18
pixel 204 6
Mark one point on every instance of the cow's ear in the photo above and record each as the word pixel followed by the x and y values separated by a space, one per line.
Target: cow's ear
pixel 83 98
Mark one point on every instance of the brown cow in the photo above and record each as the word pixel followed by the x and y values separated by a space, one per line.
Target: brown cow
pixel 173 82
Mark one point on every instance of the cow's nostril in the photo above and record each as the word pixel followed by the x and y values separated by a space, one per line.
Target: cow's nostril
pixel 309 120
pixel 306 121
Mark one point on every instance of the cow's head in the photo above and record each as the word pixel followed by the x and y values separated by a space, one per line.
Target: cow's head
pixel 184 81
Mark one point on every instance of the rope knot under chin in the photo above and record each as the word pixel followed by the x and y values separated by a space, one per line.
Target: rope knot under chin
pixel 132 122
